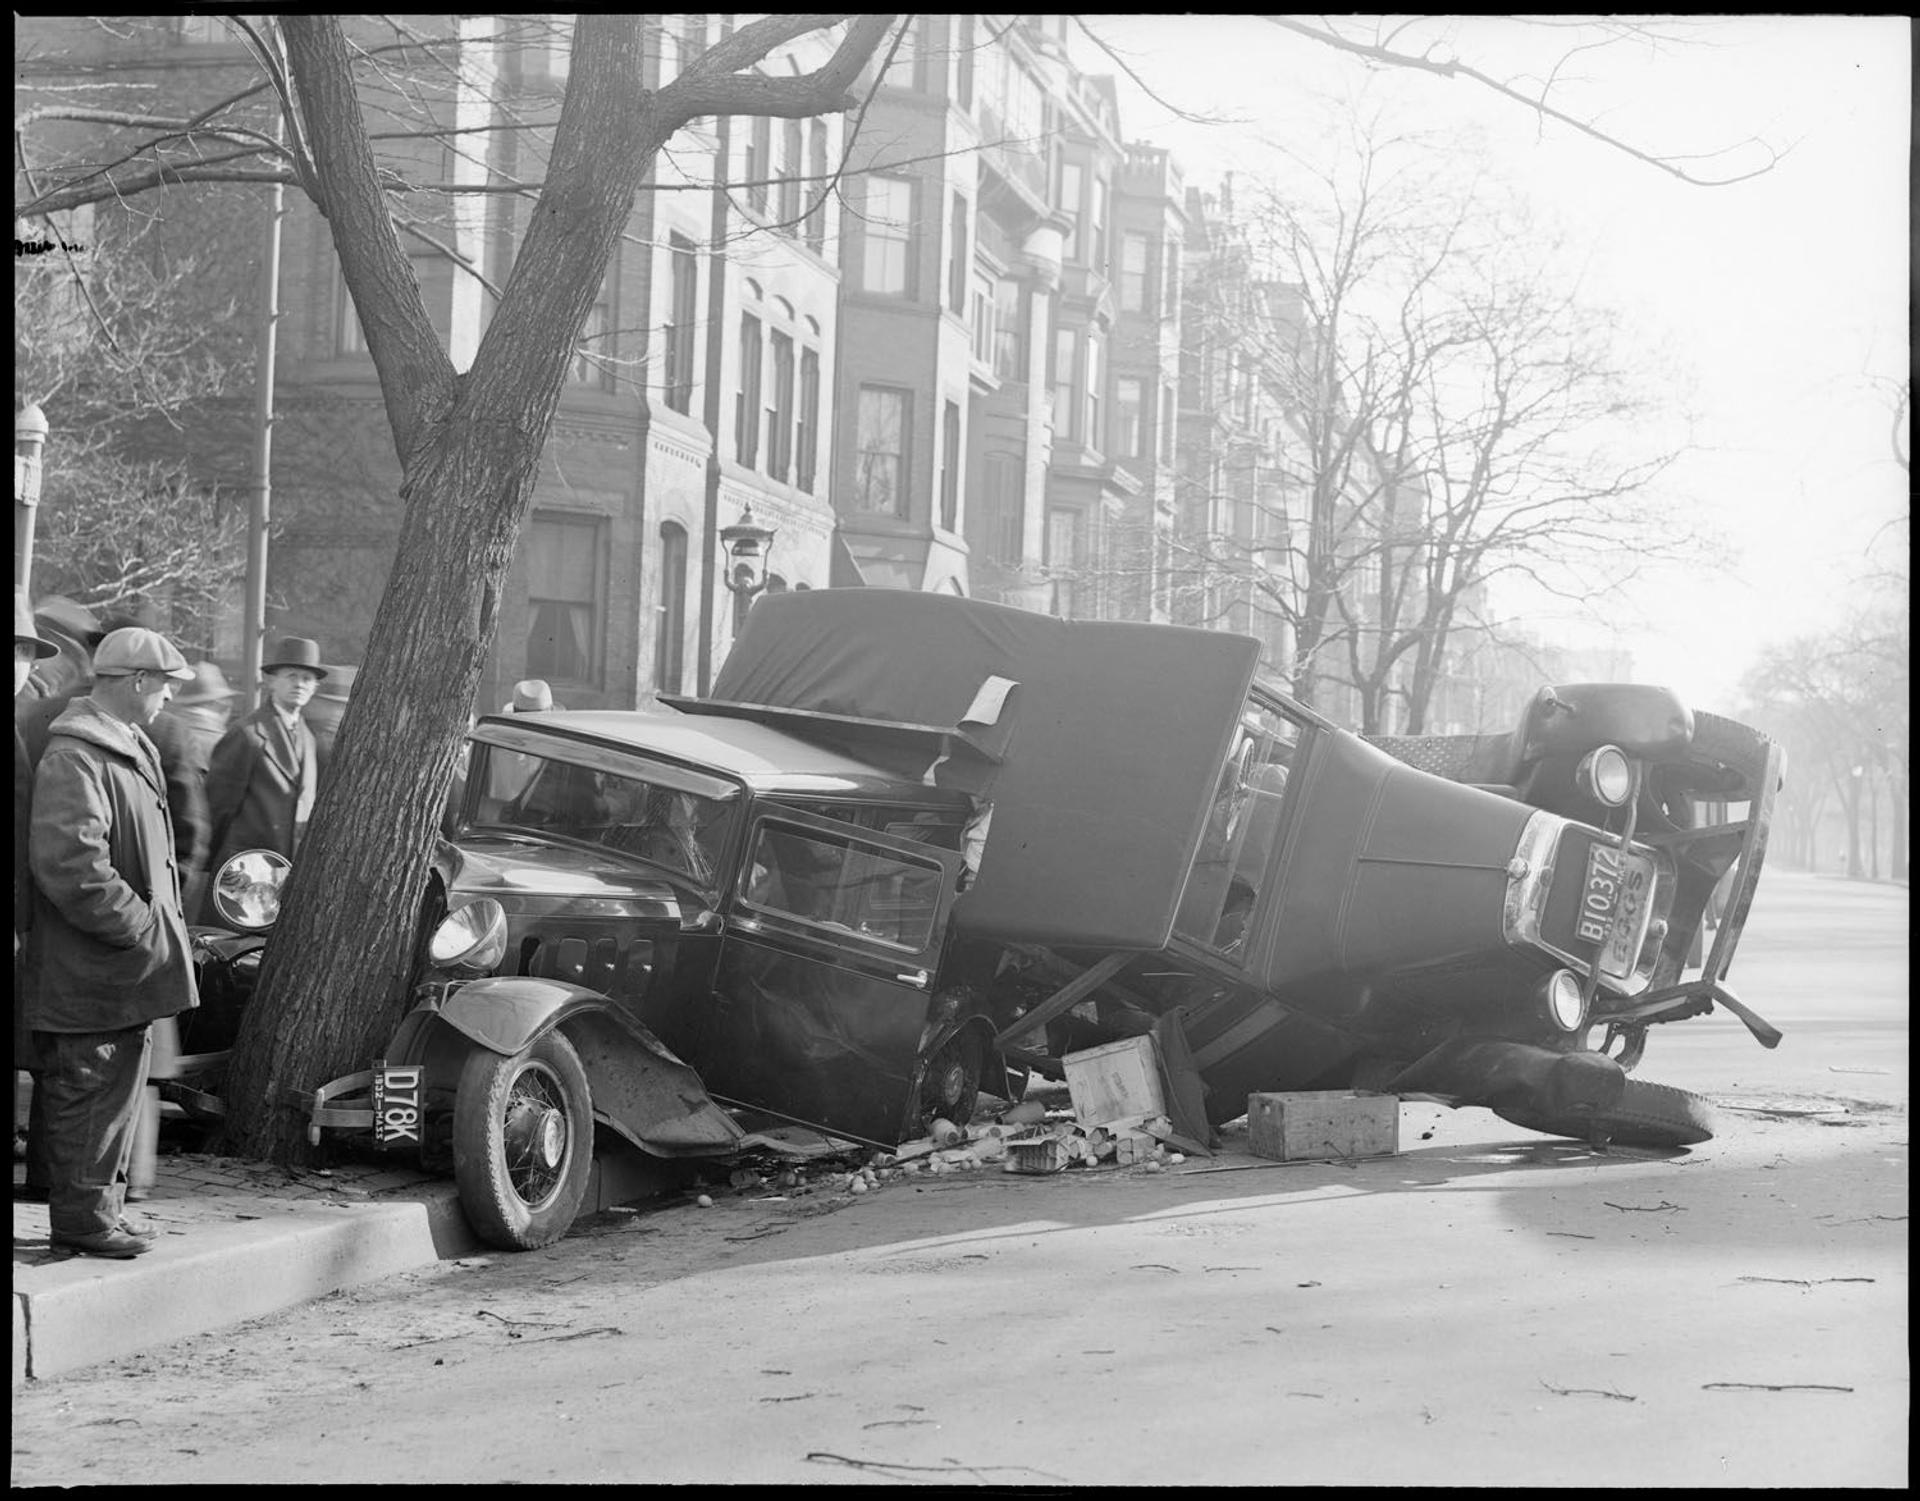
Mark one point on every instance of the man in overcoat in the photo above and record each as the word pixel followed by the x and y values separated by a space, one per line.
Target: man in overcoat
pixel 108 952
pixel 265 770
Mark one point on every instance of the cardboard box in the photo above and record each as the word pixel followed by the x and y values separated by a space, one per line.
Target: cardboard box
pixel 1036 1154
pixel 1115 1080
pixel 1309 1125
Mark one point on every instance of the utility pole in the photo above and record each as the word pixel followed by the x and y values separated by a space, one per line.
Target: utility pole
pixel 260 509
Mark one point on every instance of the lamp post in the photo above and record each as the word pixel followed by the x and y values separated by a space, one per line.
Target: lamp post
pixel 29 439
pixel 748 545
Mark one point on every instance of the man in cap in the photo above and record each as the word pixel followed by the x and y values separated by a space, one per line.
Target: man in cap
pixel 185 771
pixel 108 951
pixel 265 770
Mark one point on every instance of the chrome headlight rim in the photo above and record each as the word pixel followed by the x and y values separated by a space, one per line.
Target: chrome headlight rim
pixel 1606 775
pixel 246 889
pixel 471 938
pixel 1563 1001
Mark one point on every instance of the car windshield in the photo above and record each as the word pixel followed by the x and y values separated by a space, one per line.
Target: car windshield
pixel 632 814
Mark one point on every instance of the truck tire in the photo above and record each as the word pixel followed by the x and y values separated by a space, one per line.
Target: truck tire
pixel 1647 1115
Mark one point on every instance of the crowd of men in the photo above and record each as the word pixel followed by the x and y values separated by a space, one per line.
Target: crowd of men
pixel 133 784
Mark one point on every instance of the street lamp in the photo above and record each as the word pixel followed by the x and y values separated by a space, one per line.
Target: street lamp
pixel 747 544
pixel 29 439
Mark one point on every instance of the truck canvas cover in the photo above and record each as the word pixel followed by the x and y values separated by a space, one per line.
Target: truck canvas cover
pixel 1117 737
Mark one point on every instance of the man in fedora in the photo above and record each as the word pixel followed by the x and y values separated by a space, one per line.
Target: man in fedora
pixel 511 770
pixel 107 953
pixel 265 770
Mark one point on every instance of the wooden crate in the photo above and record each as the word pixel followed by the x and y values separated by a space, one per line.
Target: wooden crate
pixel 1324 1123
pixel 1114 1081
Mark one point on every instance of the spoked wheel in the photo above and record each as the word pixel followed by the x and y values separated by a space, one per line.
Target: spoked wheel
pixel 523 1142
pixel 1647 1115
pixel 951 1087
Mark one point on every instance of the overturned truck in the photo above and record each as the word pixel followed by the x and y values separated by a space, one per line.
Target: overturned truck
pixel 914 846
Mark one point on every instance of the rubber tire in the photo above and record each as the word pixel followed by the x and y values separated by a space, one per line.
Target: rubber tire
pixel 1648 1115
pixel 496 1209
pixel 939 1102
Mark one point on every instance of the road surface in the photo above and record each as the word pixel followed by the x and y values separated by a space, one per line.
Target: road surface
pixel 1490 1307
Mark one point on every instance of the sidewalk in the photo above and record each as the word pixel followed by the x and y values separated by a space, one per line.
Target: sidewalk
pixel 234 1241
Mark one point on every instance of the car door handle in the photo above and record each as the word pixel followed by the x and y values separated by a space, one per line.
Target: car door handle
pixel 913 977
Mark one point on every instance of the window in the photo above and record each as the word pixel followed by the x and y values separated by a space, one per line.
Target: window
pixel 887 264
pixel 817 189
pixel 1064 546
pixel 1005 499
pixel 789 210
pixel 843 884
pixel 746 412
pixel 880 481
pixel 780 410
pixel 1097 238
pixel 961 263
pixel 985 320
pixel 963 65
pixel 669 648
pixel 563 597
pixel 1093 434
pixel 1230 865
pixel 1072 184
pixel 1173 275
pixel 1066 354
pixel 950 468
pixel 1010 333
pixel 593 353
pixel 1133 273
pixel 682 317
pixel 1129 392
pixel 809 436
pixel 759 162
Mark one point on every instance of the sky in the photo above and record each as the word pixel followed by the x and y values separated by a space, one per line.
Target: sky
pixel 1780 303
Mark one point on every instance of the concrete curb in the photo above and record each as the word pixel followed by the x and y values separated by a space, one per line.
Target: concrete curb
pixel 80 1311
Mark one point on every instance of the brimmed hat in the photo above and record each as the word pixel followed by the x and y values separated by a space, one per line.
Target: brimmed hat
pixel 68 618
pixel 209 686
pixel 23 627
pixel 295 651
pixel 136 649
pixel 530 696
pixel 337 683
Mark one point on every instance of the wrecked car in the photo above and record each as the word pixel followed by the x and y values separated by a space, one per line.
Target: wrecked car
pixel 912 847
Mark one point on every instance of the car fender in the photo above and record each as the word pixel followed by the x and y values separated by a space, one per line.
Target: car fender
pixel 640 1088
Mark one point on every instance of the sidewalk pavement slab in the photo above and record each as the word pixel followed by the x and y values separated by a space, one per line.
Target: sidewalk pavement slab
pixel 233 1241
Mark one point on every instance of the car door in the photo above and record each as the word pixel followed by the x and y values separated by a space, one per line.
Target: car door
pixel 827 968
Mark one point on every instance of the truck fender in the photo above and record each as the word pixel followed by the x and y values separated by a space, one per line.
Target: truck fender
pixel 640 1089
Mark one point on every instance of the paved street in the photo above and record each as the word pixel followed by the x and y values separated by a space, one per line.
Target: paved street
pixel 1490 1307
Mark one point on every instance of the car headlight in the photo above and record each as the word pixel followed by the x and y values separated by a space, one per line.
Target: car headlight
pixel 473 937
pixel 1563 1000
pixel 246 890
pixel 1606 775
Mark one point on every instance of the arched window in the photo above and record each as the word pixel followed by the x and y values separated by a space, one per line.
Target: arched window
pixel 669 650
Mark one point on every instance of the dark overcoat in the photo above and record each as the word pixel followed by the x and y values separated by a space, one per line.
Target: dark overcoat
pixel 108 947
pixel 255 781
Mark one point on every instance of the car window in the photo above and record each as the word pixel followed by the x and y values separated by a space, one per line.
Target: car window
pixel 828 882
pixel 632 815
pixel 1242 824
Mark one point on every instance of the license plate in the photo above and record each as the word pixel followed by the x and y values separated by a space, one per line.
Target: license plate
pixel 1614 906
pixel 396 1104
